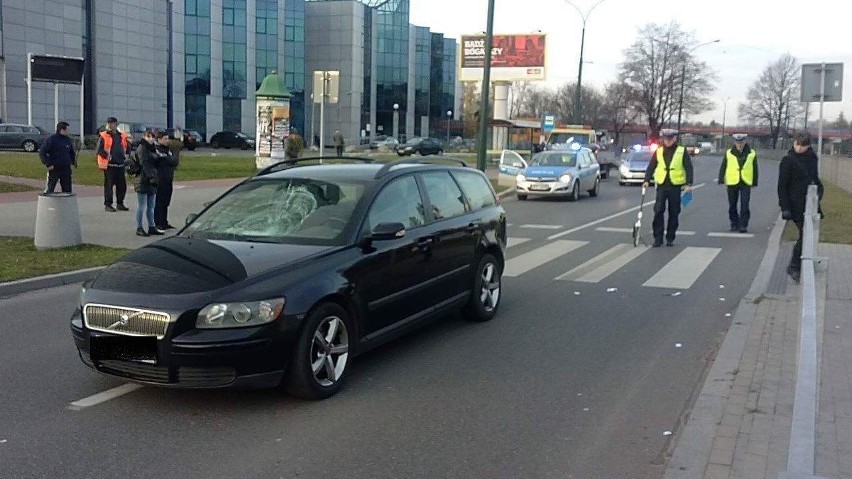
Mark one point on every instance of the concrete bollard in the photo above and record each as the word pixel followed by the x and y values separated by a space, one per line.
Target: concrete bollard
pixel 57 221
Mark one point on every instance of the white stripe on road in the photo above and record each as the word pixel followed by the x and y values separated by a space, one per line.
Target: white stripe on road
pixel 607 218
pixel 516 241
pixel 542 227
pixel 603 265
pixel 730 235
pixel 682 271
pixel 104 396
pixel 630 231
pixel 537 257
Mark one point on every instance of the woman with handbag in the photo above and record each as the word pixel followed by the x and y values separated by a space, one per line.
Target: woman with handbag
pixel 798 170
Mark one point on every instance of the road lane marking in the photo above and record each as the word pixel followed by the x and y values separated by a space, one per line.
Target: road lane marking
pixel 682 271
pixel 730 235
pixel 537 257
pixel 542 227
pixel 105 396
pixel 603 265
pixel 606 229
pixel 516 241
pixel 607 218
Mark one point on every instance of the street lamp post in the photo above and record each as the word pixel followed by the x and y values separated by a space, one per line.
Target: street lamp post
pixel 396 121
pixel 683 79
pixel 449 116
pixel 578 107
pixel 724 118
pixel 486 90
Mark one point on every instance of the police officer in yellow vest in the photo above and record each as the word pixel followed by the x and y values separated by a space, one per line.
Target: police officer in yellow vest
pixel 739 173
pixel 671 170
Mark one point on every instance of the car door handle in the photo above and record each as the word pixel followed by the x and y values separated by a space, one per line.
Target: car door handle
pixel 473 226
pixel 424 243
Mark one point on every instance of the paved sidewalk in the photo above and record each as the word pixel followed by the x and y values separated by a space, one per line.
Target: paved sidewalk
pixel 751 434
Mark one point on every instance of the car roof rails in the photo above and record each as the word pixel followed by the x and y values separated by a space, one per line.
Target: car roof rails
pixel 292 162
pixel 415 161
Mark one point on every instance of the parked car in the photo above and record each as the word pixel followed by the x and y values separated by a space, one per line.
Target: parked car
pixel 634 165
pixel 190 142
pixel 552 173
pixel 290 273
pixel 230 139
pixel 707 148
pixel 26 137
pixel 390 143
pixel 423 146
pixel 199 138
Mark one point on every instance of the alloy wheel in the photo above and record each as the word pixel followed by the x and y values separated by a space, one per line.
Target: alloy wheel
pixel 490 291
pixel 329 351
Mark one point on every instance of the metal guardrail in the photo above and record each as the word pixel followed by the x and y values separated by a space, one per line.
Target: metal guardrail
pixel 802 452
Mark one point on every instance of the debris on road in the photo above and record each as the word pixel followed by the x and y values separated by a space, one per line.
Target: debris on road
pixel 721 299
pixel 721 286
pixel 667 433
pixel 585 409
pixel 3 441
pixel 676 293
pixel 727 315
pixel 611 290
pixel 678 345
pixel 576 293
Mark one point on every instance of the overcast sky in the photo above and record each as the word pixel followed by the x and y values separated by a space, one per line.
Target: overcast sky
pixel 752 33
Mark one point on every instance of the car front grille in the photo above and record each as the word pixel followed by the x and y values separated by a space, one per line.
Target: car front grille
pixel 127 321
pixel 184 376
pixel 541 180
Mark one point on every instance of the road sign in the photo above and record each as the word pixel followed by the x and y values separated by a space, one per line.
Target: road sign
pixel 548 122
pixel 811 79
pixel 327 82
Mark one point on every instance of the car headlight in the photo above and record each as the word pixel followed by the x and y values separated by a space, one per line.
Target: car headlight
pixel 624 169
pixel 238 315
pixel 566 178
pixel 520 177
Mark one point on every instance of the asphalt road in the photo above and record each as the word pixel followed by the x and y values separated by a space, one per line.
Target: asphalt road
pixel 569 381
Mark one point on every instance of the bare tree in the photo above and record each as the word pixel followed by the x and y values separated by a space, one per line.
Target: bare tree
pixel 771 99
pixel 470 105
pixel 592 99
pixel 653 68
pixel 619 107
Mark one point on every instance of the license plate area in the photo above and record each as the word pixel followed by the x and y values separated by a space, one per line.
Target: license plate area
pixel 141 349
pixel 539 187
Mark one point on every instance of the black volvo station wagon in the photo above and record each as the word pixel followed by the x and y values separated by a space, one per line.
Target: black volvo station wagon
pixel 294 271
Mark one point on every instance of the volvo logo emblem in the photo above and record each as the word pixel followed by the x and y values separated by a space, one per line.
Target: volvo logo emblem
pixel 124 319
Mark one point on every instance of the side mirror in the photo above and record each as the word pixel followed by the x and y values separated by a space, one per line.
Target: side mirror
pixel 191 218
pixel 517 164
pixel 388 231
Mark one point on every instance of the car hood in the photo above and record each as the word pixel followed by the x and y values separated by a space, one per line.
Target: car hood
pixel 637 164
pixel 548 171
pixel 186 265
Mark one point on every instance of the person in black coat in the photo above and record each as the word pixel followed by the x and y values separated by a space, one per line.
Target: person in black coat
pixel 798 170
pixel 167 163
pixel 147 178
pixel 58 155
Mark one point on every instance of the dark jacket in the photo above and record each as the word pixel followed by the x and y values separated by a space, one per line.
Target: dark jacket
pixel 741 158
pixel 117 156
pixel 795 173
pixel 146 181
pixel 168 162
pixel 668 153
pixel 58 152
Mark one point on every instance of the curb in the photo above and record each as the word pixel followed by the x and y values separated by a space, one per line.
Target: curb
pixel 12 288
pixel 506 193
pixel 691 454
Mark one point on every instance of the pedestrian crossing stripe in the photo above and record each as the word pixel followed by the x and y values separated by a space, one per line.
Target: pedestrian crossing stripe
pixel 539 256
pixel 684 269
pixel 516 241
pixel 730 235
pixel 603 265
pixel 542 227
pixel 607 229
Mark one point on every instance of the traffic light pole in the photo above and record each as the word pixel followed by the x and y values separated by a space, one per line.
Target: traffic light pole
pixel 486 91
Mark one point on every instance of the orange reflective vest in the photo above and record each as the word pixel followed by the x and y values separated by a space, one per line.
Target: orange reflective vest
pixel 103 161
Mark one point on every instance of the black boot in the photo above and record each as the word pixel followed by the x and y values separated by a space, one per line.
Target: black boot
pixel 795 272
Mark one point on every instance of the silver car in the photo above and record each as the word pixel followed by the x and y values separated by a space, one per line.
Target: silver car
pixel 26 137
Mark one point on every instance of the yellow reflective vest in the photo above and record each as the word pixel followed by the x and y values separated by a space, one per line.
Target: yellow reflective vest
pixel 733 172
pixel 675 170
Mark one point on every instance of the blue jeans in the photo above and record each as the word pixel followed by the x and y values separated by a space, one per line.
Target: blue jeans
pixel 145 205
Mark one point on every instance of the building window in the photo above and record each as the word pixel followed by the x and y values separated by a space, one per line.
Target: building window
pixel 232 114
pixel 197 63
pixel 234 63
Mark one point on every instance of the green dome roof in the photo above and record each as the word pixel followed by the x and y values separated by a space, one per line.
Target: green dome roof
pixel 273 87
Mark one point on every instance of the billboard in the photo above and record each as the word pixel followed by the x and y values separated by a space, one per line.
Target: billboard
pixel 513 57
pixel 56 69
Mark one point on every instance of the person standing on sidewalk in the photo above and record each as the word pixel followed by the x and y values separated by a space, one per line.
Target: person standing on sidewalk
pixel 798 170
pixel 739 173
pixel 339 143
pixel 167 162
pixel 113 150
pixel 671 170
pixel 146 184
pixel 58 155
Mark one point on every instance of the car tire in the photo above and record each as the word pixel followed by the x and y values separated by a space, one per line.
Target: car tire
pixel 605 173
pixel 313 348
pixel 575 192
pixel 215 145
pixel 594 191
pixel 621 183
pixel 29 146
pixel 522 197
pixel 487 286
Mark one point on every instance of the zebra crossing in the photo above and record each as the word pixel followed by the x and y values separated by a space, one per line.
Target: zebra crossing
pixel 679 272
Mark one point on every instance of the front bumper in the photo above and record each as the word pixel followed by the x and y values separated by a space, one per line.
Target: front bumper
pixel 637 177
pixel 535 188
pixel 233 358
